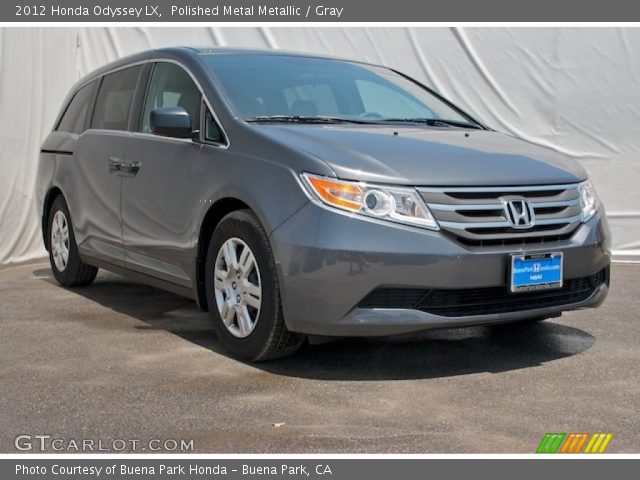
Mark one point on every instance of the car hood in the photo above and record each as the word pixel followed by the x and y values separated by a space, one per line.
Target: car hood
pixel 428 156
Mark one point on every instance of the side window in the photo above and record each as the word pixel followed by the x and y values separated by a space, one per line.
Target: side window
pixel 171 86
pixel 212 131
pixel 113 106
pixel 75 116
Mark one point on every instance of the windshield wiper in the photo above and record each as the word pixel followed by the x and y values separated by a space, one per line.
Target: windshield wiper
pixel 433 122
pixel 304 119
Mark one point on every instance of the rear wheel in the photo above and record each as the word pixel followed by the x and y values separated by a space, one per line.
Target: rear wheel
pixel 243 292
pixel 68 269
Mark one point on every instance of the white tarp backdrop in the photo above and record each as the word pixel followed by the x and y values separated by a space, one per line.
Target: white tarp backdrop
pixel 576 90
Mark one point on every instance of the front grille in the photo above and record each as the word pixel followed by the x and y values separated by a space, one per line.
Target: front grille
pixel 476 216
pixel 482 301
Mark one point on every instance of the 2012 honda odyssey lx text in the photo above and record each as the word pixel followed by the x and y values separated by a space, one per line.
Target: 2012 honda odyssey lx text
pixel 294 195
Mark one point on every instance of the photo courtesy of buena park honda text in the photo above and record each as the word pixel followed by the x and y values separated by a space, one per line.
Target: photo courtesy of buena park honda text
pixel 341 239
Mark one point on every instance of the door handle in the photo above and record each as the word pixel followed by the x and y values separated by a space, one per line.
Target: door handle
pixel 130 167
pixel 114 164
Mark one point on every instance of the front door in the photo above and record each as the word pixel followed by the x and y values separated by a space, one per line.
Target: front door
pixel 157 193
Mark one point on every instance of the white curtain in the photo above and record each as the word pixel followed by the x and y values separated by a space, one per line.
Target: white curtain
pixel 576 90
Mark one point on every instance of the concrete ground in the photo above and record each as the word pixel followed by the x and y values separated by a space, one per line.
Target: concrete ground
pixel 120 360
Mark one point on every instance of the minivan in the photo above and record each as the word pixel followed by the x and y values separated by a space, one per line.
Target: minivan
pixel 293 195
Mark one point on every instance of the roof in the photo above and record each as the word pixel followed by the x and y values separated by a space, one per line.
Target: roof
pixel 258 51
pixel 194 51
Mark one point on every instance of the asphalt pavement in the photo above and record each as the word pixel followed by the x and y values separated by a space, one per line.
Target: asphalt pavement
pixel 123 361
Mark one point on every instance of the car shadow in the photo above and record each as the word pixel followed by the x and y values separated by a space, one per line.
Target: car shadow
pixel 430 354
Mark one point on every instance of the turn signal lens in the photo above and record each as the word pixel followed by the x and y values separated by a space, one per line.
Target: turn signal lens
pixel 339 194
pixel 396 204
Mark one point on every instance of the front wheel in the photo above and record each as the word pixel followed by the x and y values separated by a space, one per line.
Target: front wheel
pixel 243 294
pixel 68 269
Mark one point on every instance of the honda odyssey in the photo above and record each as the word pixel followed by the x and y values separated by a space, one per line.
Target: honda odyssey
pixel 294 195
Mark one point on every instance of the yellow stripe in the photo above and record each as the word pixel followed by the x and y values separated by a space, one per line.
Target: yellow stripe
pixel 598 442
pixel 606 442
pixel 590 444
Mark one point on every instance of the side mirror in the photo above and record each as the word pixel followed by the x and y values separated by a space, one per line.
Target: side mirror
pixel 171 122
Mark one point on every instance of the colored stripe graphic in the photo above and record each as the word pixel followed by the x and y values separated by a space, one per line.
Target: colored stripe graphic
pixel 598 443
pixel 574 443
pixel 550 442
pixel 580 444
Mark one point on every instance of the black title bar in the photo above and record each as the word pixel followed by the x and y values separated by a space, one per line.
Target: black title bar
pixel 319 11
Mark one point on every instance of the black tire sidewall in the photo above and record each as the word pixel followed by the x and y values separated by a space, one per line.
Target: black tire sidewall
pixel 245 226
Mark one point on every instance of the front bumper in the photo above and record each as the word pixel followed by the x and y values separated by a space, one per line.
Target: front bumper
pixel 329 261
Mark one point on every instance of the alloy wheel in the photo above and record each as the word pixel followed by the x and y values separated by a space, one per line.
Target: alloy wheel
pixel 237 287
pixel 60 241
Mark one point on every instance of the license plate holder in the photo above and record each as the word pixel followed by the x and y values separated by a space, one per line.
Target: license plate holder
pixel 535 271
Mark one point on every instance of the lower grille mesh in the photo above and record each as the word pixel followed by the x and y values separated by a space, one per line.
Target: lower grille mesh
pixel 482 301
pixel 498 242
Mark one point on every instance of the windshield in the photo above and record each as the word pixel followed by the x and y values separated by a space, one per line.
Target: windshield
pixel 263 86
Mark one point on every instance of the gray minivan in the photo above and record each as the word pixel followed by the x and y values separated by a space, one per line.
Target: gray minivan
pixel 294 195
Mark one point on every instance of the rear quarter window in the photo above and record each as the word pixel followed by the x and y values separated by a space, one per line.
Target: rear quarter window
pixel 113 105
pixel 74 119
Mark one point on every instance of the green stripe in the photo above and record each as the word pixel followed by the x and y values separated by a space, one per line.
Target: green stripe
pixel 543 443
pixel 550 442
pixel 558 441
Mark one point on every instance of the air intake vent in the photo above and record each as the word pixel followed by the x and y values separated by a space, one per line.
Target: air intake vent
pixel 482 301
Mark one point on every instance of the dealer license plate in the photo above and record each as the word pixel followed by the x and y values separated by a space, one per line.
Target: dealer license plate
pixel 539 271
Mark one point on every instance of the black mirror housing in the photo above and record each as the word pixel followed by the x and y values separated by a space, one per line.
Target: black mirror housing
pixel 171 122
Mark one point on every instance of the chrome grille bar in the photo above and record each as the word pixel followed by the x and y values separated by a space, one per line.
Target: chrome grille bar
pixel 476 215
pixel 530 188
pixel 498 206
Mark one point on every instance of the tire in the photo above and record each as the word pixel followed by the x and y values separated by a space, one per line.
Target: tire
pixel 249 297
pixel 68 269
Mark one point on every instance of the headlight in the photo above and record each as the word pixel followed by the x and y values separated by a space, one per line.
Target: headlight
pixel 588 200
pixel 396 204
